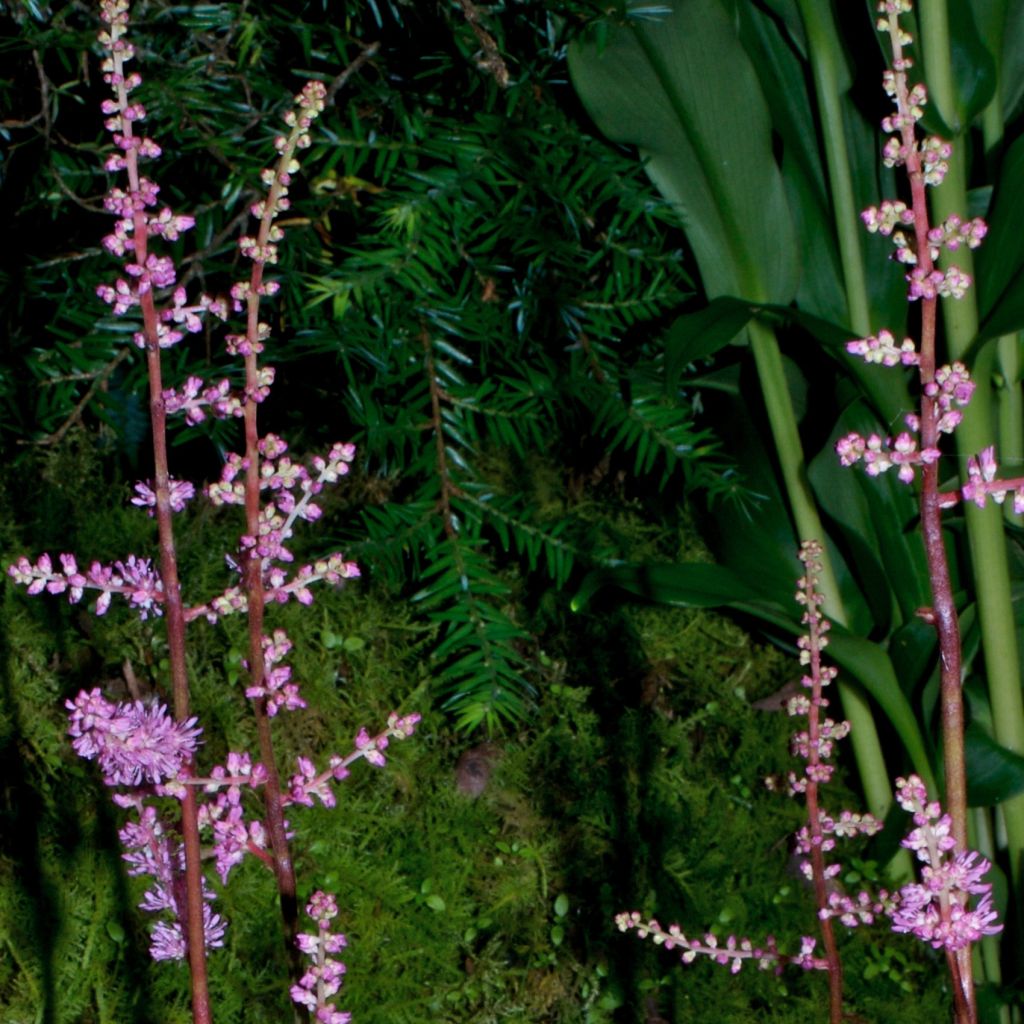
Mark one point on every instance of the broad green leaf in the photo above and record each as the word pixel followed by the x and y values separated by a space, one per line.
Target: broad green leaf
pixel 912 652
pixel 888 391
pixel 694 336
pixel 993 772
pixel 972 64
pixel 1011 69
pixel 684 91
pixel 783 77
pixel 758 535
pixel 1000 261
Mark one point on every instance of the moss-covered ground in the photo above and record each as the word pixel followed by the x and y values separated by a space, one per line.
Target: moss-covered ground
pixel 637 784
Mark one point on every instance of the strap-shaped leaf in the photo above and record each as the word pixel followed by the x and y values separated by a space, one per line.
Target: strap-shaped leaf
pixel 683 90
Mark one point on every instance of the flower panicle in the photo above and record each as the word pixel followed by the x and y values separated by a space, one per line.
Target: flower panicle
pixel 141 749
pixel 731 952
pixel 308 783
pixel 322 980
pixel 938 909
pixel 133 743
pixel 918 245
pixel 152 851
pixel 814 745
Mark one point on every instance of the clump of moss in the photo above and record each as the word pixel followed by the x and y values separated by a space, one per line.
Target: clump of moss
pixel 638 784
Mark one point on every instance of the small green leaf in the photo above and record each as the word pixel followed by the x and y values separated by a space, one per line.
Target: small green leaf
pixel 993 772
pixel 435 902
pixel 561 905
pixel 116 932
pixel 697 335
pixel 973 66
pixel 1000 262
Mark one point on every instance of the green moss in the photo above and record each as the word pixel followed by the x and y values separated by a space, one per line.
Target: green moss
pixel 638 785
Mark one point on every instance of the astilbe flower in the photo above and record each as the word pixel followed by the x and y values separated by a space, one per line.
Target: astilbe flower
pixel 949 388
pixel 291 488
pixel 938 908
pixel 141 750
pixel 321 982
pixel 132 743
pixel 308 783
pixel 151 851
pixel 815 746
pixel 223 817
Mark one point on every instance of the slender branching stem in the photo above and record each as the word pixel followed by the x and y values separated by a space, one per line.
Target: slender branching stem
pixel 174 611
pixel 943 611
pixel 817 855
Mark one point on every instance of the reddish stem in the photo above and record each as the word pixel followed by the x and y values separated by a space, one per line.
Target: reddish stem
pixel 174 614
pixel 943 610
pixel 835 966
pixel 191 915
pixel 255 594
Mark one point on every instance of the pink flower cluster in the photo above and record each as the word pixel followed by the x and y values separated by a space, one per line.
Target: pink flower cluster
pixel 950 391
pixel 291 491
pixel 931 156
pixel 140 748
pixel 308 783
pixel 938 908
pixel 950 388
pixel 233 836
pixel 152 851
pixel 731 953
pixel 135 579
pixel 982 484
pixel 322 980
pixel 277 688
pixel 144 271
pixel 815 745
pixel 133 743
pixel 143 748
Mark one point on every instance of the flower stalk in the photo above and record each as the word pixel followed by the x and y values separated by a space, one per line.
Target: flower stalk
pixel 147 756
pixel 945 392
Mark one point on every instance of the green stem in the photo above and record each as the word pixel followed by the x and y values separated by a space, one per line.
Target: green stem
pixel 933 22
pixel 1010 412
pixel 986 952
pixel 826 55
pixel 864 738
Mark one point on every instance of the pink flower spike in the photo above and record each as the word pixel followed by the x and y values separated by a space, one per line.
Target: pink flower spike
pixel 131 742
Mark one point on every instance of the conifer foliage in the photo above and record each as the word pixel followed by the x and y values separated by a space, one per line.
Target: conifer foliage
pixel 477 282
